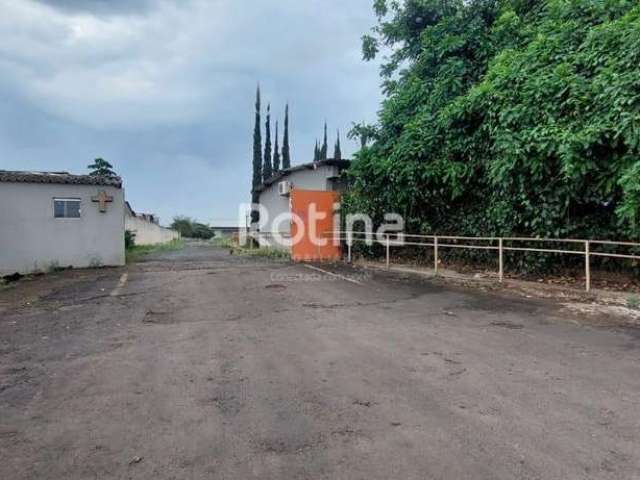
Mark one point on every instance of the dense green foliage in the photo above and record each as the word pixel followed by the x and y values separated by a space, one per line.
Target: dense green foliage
pixel 267 169
pixel 362 132
pixel 325 144
pixel 337 151
pixel 286 151
pixel 189 228
pixel 276 153
pixel 101 168
pixel 257 146
pixel 257 159
pixel 321 150
pixel 506 117
pixel 129 239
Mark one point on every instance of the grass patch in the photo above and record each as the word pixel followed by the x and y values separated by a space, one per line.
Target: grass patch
pixel 266 252
pixel 634 302
pixel 224 242
pixel 137 252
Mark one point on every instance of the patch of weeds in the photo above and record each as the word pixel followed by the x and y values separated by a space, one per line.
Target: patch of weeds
pixel 9 281
pixel 14 277
pixel 95 262
pixel 57 268
pixel 129 239
pixel 54 267
pixel 224 242
pixel 136 252
pixel 633 302
pixel 267 252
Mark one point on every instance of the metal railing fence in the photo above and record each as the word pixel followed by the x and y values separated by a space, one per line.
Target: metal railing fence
pixel 498 244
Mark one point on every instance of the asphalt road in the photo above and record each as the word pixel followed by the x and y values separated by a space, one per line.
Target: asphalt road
pixel 199 364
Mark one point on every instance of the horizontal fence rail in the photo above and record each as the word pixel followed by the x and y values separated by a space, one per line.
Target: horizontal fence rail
pixel 436 242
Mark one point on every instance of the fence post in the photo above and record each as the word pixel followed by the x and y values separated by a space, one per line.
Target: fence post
pixel 587 265
pixel 501 259
pixel 349 243
pixel 435 255
pixel 388 262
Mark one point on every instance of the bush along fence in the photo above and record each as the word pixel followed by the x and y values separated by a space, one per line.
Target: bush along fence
pixel 585 248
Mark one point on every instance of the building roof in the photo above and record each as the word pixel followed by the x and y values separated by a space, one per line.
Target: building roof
pixel 341 164
pixel 58 177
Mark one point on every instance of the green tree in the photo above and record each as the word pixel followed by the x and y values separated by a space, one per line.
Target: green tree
pixel 257 159
pixel 325 147
pixel 129 239
pixel 202 231
pixel 189 228
pixel 267 169
pixel 362 132
pixel 276 153
pixel 505 117
pixel 337 151
pixel 184 225
pixel 316 152
pixel 286 151
pixel 101 168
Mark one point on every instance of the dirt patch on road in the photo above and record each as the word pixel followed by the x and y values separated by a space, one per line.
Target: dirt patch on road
pixel 596 308
pixel 55 289
pixel 606 315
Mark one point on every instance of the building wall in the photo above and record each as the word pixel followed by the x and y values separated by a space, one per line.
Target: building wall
pixel 31 239
pixel 149 233
pixel 226 232
pixel 318 179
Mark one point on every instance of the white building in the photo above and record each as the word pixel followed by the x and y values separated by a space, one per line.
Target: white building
pixel 55 219
pixel 146 228
pixel 323 175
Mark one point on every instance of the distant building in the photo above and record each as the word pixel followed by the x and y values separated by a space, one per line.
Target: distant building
pixel 321 176
pixel 55 219
pixel 146 228
pixel 226 232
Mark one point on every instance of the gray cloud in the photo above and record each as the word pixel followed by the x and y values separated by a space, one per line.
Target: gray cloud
pixel 101 7
pixel 167 94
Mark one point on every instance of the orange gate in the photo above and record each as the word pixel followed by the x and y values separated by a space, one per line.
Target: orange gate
pixel 314 242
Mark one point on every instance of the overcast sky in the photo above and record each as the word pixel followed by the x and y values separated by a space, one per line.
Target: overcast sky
pixel 164 89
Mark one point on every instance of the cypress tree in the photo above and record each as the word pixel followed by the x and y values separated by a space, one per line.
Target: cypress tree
pixel 325 148
pixel 257 159
pixel 276 153
pixel 316 152
pixel 337 153
pixel 266 168
pixel 286 152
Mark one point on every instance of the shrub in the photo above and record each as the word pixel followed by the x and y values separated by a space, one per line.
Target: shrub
pixel 129 239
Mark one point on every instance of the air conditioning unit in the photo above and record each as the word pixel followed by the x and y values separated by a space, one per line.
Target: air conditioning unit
pixel 284 188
